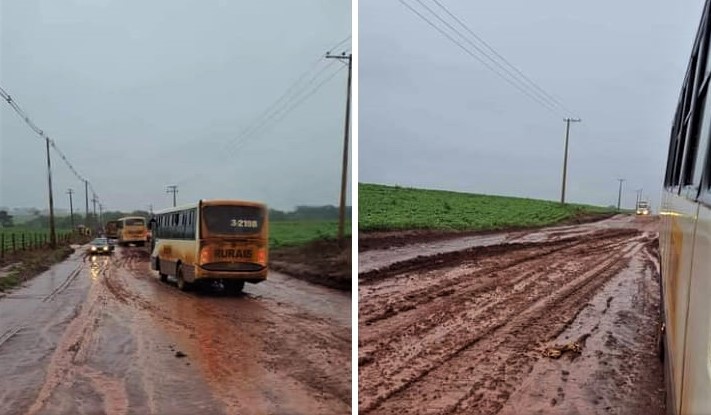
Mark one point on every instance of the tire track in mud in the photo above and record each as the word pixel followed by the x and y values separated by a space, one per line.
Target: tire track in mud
pixel 452 259
pixel 485 284
pixel 64 285
pixel 250 355
pixel 69 363
pixel 9 333
pixel 459 335
pixel 224 377
pixel 246 337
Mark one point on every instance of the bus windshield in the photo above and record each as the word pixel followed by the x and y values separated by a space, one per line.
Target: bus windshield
pixel 233 219
pixel 135 222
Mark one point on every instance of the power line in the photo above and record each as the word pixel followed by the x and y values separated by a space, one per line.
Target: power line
pixel 280 114
pixel 295 95
pixel 288 95
pixel 271 121
pixel 511 79
pixel 16 107
pixel 551 97
pixel 281 103
pixel 347 38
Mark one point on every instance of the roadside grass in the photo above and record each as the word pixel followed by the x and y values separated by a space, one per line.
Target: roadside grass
pixel 29 233
pixel 32 263
pixel 397 208
pixel 24 229
pixel 281 233
pixel 294 233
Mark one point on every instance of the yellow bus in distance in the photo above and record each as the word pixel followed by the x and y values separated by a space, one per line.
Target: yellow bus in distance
pixel 111 229
pixel 212 240
pixel 132 229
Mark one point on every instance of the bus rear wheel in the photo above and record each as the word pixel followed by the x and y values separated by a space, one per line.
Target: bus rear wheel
pixel 233 287
pixel 182 284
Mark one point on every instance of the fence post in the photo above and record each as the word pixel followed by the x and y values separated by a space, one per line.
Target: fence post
pixel 14 247
pixel 22 238
pixel 2 245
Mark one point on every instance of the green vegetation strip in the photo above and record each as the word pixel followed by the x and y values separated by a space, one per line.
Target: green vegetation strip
pixel 30 236
pixel 33 263
pixel 397 208
pixel 293 233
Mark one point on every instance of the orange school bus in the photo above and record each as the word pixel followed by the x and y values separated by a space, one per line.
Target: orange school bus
pixel 215 240
pixel 132 229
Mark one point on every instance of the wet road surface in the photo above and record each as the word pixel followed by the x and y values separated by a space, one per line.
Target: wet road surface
pixel 463 327
pixel 103 335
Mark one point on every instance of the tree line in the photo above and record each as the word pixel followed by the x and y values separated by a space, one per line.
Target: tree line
pixel 301 213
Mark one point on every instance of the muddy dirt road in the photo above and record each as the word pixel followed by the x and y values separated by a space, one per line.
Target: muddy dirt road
pixel 103 335
pixel 467 327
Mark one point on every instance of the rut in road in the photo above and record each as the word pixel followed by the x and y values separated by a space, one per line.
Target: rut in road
pixel 114 348
pixel 457 332
pixel 248 347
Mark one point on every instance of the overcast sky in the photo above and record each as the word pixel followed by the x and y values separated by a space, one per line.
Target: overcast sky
pixel 431 116
pixel 144 94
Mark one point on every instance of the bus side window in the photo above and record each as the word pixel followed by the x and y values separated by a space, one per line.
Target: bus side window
pixel 191 224
pixel 176 225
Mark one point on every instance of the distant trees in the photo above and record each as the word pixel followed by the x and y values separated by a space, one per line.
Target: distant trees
pixel 5 219
pixel 40 221
pixel 326 212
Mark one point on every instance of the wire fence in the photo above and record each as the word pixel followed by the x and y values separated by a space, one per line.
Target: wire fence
pixel 13 242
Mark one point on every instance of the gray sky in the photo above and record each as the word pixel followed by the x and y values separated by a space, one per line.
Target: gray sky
pixel 143 94
pixel 431 116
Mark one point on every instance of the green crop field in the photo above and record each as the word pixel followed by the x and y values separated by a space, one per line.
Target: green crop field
pixel 291 233
pixel 392 207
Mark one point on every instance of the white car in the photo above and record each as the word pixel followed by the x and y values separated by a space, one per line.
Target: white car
pixel 643 208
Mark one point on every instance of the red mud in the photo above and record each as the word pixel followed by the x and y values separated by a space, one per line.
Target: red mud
pixel 104 335
pixel 368 240
pixel 321 262
pixel 464 332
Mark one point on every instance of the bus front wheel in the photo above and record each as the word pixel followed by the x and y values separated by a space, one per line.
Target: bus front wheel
pixel 182 284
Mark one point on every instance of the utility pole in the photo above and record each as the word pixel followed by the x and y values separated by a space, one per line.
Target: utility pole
pixel 565 157
pixel 52 234
pixel 346 136
pixel 619 194
pixel 86 200
pixel 71 207
pixel 639 197
pixel 174 190
pixel 101 215
pixel 94 199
